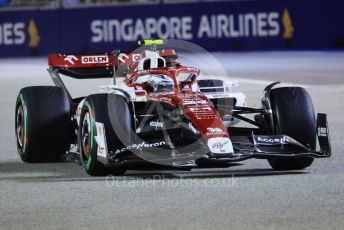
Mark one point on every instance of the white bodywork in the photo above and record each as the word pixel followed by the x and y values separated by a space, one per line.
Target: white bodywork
pixel 220 145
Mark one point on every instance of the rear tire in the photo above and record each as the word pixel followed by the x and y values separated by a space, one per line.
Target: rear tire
pixel 95 109
pixel 42 124
pixel 293 115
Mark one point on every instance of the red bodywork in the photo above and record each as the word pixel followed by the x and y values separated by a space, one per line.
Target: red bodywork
pixel 195 105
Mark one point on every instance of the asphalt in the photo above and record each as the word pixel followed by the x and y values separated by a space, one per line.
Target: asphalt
pixel 247 196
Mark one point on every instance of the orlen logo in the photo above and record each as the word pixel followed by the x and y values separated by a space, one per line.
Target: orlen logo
pixel 94 59
pixel 14 33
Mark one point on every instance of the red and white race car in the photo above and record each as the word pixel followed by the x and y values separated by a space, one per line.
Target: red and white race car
pixel 158 112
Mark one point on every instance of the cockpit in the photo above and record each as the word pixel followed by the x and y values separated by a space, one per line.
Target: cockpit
pixel 155 83
pixel 187 81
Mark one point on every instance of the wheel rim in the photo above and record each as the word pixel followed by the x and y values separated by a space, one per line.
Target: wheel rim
pixel 85 136
pixel 20 126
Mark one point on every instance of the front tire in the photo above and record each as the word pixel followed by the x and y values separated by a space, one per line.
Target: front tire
pixel 96 109
pixel 293 115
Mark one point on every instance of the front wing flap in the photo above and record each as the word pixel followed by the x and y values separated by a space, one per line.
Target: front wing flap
pixel 280 146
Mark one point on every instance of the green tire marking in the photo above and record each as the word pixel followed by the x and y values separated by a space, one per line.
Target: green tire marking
pixel 88 162
pixel 25 122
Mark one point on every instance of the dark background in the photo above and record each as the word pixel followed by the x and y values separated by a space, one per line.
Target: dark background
pixel 65 26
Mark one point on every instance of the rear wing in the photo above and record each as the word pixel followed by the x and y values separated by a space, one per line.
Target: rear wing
pixel 83 66
pixel 100 65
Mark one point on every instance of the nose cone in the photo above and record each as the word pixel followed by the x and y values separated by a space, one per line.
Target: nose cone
pixel 204 117
pixel 207 120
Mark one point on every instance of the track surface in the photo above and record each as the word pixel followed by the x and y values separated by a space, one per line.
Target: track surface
pixel 249 196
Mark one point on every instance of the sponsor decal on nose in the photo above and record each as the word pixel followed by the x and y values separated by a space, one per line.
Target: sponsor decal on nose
pixel 220 145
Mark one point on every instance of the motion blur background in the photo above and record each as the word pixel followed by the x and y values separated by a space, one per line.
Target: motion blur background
pixel 40 27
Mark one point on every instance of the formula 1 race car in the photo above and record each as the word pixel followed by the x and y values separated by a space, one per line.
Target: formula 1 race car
pixel 158 112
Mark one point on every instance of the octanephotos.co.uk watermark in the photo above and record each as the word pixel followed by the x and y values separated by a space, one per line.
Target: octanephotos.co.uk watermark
pixel 162 181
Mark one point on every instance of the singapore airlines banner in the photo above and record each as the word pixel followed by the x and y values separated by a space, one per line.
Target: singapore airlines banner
pixel 216 26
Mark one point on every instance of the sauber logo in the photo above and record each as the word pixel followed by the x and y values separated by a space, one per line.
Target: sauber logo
pixel 214 130
pixel 94 59
pixel 71 59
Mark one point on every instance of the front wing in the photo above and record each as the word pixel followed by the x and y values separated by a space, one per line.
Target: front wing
pixel 278 146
